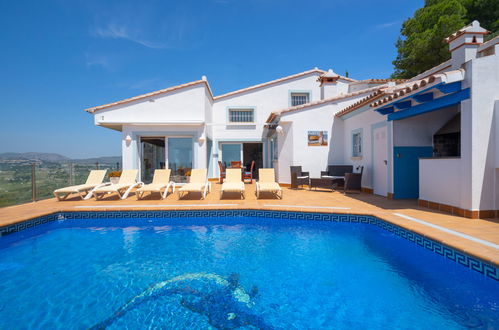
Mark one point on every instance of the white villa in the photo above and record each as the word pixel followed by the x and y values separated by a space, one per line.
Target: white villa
pixel 434 137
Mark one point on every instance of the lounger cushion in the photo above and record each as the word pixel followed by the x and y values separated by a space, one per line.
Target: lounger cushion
pixel 269 186
pixel 153 187
pixel 193 186
pixel 113 187
pixel 77 188
pixel 233 187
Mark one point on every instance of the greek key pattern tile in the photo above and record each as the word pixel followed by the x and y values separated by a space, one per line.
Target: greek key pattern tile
pixel 439 248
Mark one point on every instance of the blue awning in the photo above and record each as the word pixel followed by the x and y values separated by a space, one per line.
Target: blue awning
pixel 422 96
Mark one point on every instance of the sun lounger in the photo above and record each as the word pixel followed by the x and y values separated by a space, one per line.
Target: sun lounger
pixel 233 182
pixel 198 183
pixel 124 186
pixel 95 178
pixel 160 183
pixel 266 183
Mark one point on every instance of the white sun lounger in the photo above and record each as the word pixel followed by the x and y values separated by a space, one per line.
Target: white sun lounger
pixel 233 182
pixel 126 183
pixel 95 178
pixel 198 183
pixel 160 183
pixel 266 183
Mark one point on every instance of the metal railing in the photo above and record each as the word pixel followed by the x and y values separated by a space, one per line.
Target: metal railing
pixel 299 99
pixel 241 116
pixel 22 182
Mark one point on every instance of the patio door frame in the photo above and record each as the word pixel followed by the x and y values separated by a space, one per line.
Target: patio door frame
pixel 165 137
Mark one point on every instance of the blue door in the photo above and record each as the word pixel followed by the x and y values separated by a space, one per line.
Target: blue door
pixel 406 170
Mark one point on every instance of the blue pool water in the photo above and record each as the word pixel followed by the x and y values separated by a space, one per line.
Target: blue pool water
pixel 201 273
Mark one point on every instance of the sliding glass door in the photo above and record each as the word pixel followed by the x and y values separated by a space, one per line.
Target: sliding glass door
pixel 153 156
pixel 175 153
pixel 231 152
pixel 180 158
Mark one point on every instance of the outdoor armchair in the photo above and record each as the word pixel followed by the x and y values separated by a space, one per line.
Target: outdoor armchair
pixel 298 177
pixel 221 167
pixel 248 175
pixel 353 181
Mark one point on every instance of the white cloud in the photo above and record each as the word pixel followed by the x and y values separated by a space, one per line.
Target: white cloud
pixel 116 31
pixel 97 60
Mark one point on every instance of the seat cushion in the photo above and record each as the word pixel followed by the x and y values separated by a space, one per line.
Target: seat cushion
pixel 152 187
pixel 232 186
pixel 269 186
pixel 77 188
pixel 193 186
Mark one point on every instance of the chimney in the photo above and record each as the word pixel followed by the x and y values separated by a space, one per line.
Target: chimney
pixel 328 85
pixel 464 43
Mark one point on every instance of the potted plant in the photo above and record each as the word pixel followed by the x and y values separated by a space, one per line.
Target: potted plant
pixel 114 177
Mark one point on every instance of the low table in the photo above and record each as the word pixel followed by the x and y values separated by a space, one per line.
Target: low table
pixel 325 182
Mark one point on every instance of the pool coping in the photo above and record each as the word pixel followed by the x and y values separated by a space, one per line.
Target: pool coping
pixel 454 252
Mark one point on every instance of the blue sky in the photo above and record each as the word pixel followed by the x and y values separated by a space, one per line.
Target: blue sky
pixel 60 57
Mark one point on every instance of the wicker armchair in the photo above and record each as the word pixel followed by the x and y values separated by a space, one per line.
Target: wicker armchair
pixel 353 181
pixel 298 177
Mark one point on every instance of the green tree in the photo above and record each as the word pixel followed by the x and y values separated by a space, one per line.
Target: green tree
pixel 421 45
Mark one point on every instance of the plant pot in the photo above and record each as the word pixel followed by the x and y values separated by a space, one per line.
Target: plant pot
pixel 114 179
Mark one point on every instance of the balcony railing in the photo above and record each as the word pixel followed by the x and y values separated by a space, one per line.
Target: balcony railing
pixel 28 181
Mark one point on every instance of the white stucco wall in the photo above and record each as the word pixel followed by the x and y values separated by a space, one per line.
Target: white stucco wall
pixel 264 100
pixel 484 73
pixel 329 90
pixel 439 180
pixel 313 159
pixel 183 105
pixel 418 131
pixel 364 119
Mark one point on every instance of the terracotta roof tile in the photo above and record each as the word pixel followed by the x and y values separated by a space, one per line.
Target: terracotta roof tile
pixel 412 86
pixel 276 114
pixel 378 81
pixel 360 103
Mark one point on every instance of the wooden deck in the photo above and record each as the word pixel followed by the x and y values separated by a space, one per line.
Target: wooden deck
pixel 479 238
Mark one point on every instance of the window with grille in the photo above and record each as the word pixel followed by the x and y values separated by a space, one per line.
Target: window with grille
pixel 357 144
pixel 241 116
pixel 299 98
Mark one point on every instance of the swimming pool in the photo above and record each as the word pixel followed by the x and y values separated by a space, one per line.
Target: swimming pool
pixel 228 269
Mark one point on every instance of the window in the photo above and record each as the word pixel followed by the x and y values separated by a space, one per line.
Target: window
pixel 357 144
pixel 241 116
pixel 299 98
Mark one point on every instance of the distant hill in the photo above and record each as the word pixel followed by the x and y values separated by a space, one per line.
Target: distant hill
pixel 107 160
pixel 56 158
pixel 43 156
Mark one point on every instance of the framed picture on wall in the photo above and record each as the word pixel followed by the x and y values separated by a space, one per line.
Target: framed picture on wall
pixel 317 138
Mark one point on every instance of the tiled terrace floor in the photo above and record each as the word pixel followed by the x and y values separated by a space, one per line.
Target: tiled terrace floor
pixel 297 200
